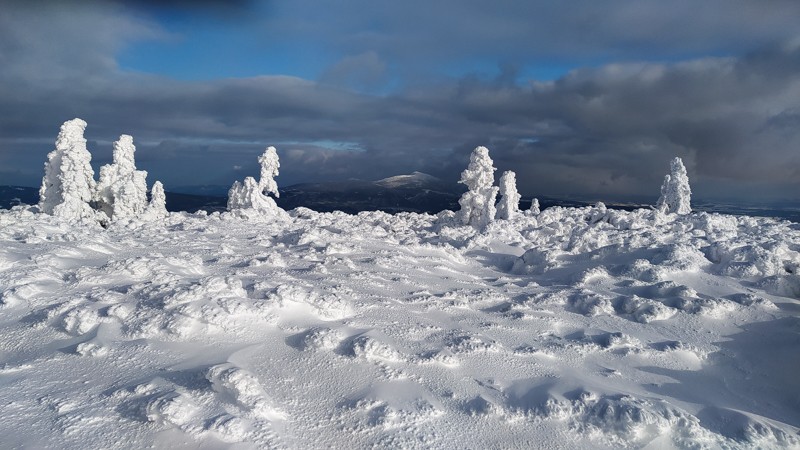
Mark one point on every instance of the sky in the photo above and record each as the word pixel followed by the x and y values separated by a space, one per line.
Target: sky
pixel 580 98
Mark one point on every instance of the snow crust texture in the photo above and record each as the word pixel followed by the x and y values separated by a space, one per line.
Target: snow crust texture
pixel 573 328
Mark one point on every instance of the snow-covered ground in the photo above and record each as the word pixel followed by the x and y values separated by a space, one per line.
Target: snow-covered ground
pixel 573 328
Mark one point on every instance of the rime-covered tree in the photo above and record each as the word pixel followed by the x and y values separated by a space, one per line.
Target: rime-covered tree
pixel 534 209
pixel 676 194
pixel 68 183
pixel 478 203
pixel 157 208
pixel 249 198
pixel 269 170
pixel 122 190
pixel 508 207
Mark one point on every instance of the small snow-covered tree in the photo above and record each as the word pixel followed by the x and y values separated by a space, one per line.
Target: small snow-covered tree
pixel 68 183
pixel 157 208
pixel 509 197
pixel 478 203
pixel 269 170
pixel 122 190
pixel 676 194
pixel 535 206
pixel 248 197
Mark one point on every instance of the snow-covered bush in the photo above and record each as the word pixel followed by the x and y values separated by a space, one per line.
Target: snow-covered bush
pixel 122 190
pixel 249 198
pixel 68 184
pixel 509 197
pixel 478 203
pixel 675 192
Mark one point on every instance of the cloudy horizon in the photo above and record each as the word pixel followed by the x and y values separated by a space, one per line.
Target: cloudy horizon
pixel 581 99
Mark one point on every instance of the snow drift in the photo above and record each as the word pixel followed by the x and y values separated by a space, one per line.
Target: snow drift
pixel 563 328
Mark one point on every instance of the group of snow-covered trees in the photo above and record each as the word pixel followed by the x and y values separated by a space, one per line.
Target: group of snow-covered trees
pixel 479 205
pixel 250 197
pixel 70 191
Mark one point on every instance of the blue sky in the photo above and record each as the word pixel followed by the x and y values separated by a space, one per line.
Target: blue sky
pixel 580 98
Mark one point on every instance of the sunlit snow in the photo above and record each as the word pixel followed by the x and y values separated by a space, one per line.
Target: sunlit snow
pixel 566 328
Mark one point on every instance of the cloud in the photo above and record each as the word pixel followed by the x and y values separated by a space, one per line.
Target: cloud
pixel 606 131
pixel 360 72
pixel 456 33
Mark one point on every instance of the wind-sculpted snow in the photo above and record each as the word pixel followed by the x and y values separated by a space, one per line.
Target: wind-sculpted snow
pixel 567 328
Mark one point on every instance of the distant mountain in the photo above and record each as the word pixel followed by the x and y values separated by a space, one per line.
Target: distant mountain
pixel 11 196
pixel 414 180
pixel 417 192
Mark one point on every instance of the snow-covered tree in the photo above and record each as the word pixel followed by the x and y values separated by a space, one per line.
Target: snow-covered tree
pixel 157 208
pixel 478 203
pixel 122 190
pixel 534 207
pixel 249 197
pixel 509 197
pixel 676 194
pixel 269 170
pixel 68 183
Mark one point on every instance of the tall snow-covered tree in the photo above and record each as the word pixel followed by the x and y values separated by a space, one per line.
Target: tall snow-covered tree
pixel 509 197
pixel 269 170
pixel 68 183
pixel 676 194
pixel 122 190
pixel 478 203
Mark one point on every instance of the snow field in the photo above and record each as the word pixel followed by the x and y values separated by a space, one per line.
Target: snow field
pixel 571 328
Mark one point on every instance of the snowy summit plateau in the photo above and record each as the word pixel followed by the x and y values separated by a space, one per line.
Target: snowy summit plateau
pixel 494 326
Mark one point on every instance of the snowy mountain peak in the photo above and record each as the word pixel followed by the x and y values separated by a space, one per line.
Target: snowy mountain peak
pixel 415 179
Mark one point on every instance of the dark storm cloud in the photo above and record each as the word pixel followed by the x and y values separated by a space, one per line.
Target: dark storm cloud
pixel 537 31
